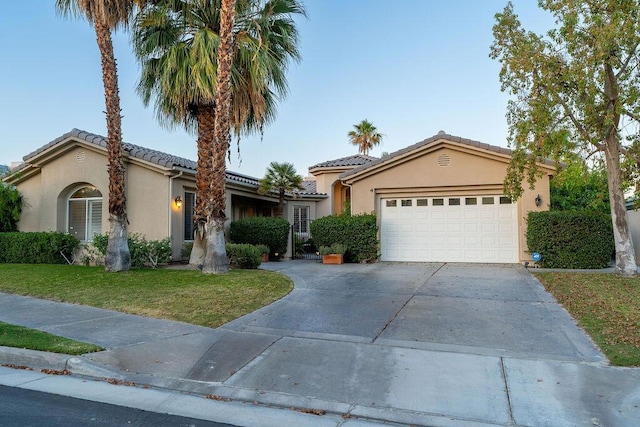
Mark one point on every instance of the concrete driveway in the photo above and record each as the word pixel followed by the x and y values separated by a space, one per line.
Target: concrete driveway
pixel 466 308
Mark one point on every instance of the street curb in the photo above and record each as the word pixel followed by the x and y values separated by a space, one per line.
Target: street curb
pixel 77 365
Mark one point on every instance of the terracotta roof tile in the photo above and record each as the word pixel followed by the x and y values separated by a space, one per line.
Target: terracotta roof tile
pixel 355 160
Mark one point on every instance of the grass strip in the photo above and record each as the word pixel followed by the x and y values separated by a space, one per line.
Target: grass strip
pixel 32 339
pixel 183 295
pixel 607 306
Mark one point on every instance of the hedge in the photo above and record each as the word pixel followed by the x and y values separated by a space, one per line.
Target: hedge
pixel 571 239
pixel 37 247
pixel 143 252
pixel 261 230
pixel 243 255
pixel 359 233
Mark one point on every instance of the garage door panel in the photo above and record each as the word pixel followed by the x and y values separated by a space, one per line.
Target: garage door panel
pixel 454 233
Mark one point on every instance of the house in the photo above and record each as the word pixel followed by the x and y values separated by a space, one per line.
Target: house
pixel 65 188
pixel 442 200
pixel 438 200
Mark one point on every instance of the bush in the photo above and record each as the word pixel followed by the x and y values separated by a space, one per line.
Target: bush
pixel 336 248
pixel 143 252
pixel 37 248
pixel 360 231
pixel 568 239
pixel 260 230
pixel 243 255
pixel 10 208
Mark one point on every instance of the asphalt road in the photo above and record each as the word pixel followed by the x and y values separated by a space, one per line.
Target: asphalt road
pixel 26 408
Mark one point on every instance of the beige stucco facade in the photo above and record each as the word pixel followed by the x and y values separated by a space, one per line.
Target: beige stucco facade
pixel 440 166
pixel 154 180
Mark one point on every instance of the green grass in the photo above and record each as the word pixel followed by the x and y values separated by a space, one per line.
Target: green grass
pixel 183 295
pixel 21 337
pixel 607 306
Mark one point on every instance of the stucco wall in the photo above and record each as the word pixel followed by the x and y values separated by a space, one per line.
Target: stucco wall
pixel 48 191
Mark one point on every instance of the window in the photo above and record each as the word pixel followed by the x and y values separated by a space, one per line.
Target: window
pixel 438 202
pixel 406 202
pixel 84 218
pixel 487 201
pixel 392 203
pixel 189 209
pixel 301 219
pixel 470 201
pixel 505 200
pixel 454 202
pixel 422 202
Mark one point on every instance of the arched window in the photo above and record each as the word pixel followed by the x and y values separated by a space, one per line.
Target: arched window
pixel 84 216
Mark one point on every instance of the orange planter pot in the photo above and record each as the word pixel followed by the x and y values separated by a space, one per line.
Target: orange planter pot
pixel 332 259
pixel 265 257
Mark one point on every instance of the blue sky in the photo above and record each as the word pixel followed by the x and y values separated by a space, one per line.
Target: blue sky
pixel 412 67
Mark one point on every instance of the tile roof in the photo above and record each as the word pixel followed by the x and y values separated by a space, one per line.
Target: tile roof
pixel 355 160
pixel 157 157
pixel 440 136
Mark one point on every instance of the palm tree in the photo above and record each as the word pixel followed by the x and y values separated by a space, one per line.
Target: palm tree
pixel 177 43
pixel 108 15
pixel 281 177
pixel 365 136
pixel 216 255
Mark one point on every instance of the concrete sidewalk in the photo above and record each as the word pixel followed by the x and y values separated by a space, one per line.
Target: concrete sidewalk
pixel 422 344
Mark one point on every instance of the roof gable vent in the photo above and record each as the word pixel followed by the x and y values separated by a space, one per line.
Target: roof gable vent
pixel 444 160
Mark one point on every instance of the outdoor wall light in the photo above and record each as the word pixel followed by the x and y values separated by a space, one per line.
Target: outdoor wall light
pixel 538 200
pixel 178 202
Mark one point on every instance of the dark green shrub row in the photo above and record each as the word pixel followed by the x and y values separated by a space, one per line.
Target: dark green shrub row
pixel 269 231
pixel 359 233
pixel 243 255
pixel 37 248
pixel 143 252
pixel 571 239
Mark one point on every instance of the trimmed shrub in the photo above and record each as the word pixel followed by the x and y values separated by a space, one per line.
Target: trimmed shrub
pixel 243 255
pixel 10 208
pixel 143 252
pixel 571 239
pixel 358 232
pixel 261 230
pixel 37 248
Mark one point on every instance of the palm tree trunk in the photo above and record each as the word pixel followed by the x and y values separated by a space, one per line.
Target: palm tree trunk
pixel 216 256
pixel 118 257
pixel 204 177
pixel 280 212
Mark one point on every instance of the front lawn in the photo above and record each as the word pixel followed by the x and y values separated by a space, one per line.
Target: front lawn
pixel 21 337
pixel 183 295
pixel 607 306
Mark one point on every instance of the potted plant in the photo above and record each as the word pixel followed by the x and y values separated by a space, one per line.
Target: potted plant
pixel 333 254
pixel 264 252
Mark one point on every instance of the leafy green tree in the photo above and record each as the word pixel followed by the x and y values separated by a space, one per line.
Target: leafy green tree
pixel 280 177
pixel 578 187
pixel 366 136
pixel 10 208
pixel 582 77
pixel 177 43
pixel 106 16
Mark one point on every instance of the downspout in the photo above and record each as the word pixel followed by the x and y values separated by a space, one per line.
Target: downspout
pixel 171 201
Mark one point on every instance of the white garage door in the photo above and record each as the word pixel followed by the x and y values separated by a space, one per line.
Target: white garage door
pixel 449 229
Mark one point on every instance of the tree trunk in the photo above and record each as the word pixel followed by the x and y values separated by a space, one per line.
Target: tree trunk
pixel 118 257
pixel 625 254
pixel 216 257
pixel 215 260
pixel 280 212
pixel 202 210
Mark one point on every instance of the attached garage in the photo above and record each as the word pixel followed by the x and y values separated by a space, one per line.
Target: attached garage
pixel 441 200
pixel 479 228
